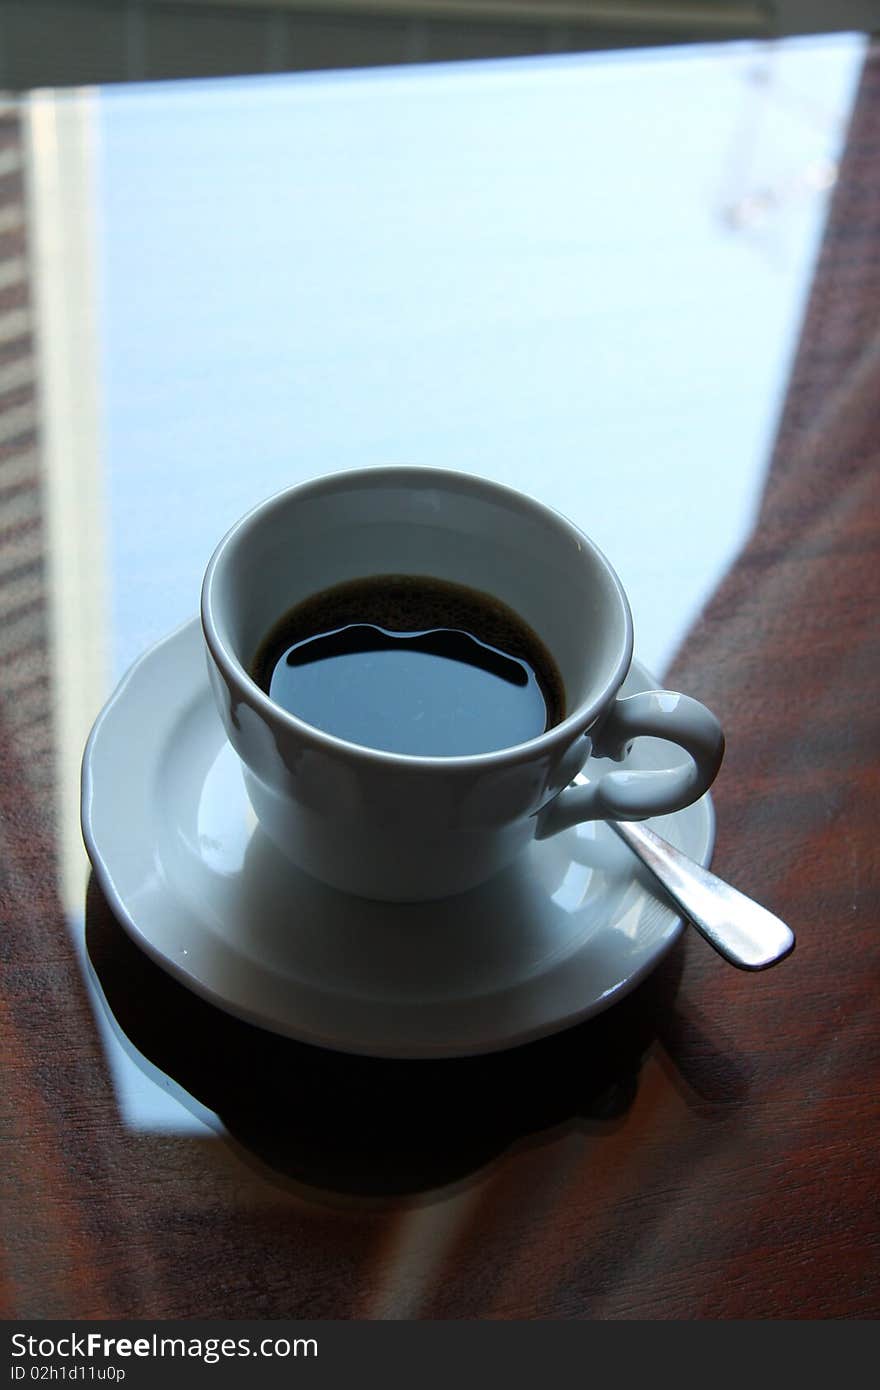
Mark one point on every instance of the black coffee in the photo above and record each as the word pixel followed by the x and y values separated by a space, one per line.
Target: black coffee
pixel 412 665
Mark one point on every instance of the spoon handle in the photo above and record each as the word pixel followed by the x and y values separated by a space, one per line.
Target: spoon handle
pixel 741 930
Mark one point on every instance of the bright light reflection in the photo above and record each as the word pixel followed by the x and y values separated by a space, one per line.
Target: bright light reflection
pixel 221 844
pixel 574 887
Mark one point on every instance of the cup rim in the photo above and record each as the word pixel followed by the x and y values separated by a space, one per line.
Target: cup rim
pixel 247 690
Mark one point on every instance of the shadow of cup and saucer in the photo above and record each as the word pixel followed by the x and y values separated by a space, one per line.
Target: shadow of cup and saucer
pixel 350 1125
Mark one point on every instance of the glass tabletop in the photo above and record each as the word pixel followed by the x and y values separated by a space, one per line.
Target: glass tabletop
pixel 585 276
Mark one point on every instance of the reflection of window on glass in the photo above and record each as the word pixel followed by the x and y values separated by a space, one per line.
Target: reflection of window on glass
pixel 57 136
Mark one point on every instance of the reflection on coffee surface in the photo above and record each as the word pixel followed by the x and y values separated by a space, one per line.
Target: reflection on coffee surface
pixel 409 664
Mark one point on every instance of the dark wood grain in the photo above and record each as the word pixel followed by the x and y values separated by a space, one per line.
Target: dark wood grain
pixel 707 1149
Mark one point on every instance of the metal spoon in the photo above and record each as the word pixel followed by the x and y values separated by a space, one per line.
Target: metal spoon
pixel 741 930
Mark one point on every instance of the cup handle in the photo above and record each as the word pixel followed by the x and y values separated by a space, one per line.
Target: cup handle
pixel 631 795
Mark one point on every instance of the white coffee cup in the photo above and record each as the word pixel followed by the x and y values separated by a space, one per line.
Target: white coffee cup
pixel 395 826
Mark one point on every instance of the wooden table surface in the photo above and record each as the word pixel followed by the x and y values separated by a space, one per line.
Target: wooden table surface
pixel 705 1149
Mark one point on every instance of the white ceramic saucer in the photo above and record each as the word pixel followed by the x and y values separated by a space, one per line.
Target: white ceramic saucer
pixel 177 851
